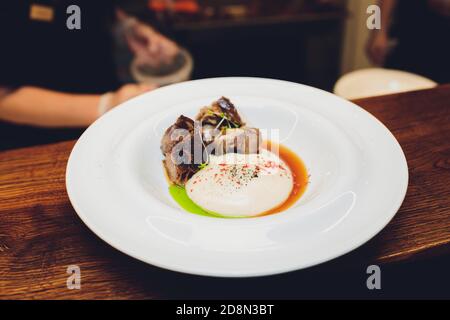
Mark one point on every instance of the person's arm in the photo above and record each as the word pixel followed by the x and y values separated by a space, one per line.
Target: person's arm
pixel 47 108
pixel 387 11
pixel 378 44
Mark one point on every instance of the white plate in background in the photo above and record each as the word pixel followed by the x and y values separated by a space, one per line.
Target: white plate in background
pixel 378 81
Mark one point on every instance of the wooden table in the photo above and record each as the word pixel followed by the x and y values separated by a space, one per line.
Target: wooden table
pixel 41 235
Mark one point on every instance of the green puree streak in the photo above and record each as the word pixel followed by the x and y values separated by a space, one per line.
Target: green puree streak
pixel 179 194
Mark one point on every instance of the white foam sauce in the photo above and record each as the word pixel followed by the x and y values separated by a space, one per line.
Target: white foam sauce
pixel 241 184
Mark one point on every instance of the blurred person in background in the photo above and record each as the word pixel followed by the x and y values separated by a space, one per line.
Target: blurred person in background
pixel 420 30
pixel 52 77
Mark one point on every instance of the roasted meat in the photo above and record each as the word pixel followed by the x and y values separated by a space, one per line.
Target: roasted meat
pixel 221 113
pixel 240 140
pixel 179 147
pixel 183 127
pixel 218 129
pixel 178 173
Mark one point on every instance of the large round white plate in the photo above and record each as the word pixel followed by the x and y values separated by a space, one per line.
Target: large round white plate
pixel 358 180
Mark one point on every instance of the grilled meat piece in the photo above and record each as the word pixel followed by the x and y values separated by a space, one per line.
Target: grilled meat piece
pixel 209 133
pixel 241 140
pixel 177 174
pixel 183 127
pixel 179 162
pixel 218 130
pixel 179 148
pixel 222 113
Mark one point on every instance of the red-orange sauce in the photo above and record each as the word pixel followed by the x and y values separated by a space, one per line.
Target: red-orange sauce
pixel 299 175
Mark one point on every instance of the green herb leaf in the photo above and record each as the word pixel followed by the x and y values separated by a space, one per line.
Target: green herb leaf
pixel 203 165
pixel 223 116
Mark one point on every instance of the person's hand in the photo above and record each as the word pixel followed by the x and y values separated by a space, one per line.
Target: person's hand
pixel 378 47
pixel 147 44
pixel 112 99
pixel 151 46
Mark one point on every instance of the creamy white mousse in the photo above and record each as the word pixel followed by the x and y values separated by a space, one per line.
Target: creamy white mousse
pixel 241 185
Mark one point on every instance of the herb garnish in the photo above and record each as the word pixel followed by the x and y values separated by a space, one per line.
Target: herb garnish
pixel 224 117
pixel 202 166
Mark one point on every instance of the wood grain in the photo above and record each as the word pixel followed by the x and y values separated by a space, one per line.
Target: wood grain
pixel 40 234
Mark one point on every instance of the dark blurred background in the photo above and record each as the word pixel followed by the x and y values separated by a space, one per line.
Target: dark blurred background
pixel 295 40
pixel 313 42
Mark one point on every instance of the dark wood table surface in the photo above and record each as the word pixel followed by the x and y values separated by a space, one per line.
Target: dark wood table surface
pixel 41 235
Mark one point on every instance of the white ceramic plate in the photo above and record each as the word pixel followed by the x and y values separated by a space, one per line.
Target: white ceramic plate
pixel 378 81
pixel 358 180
